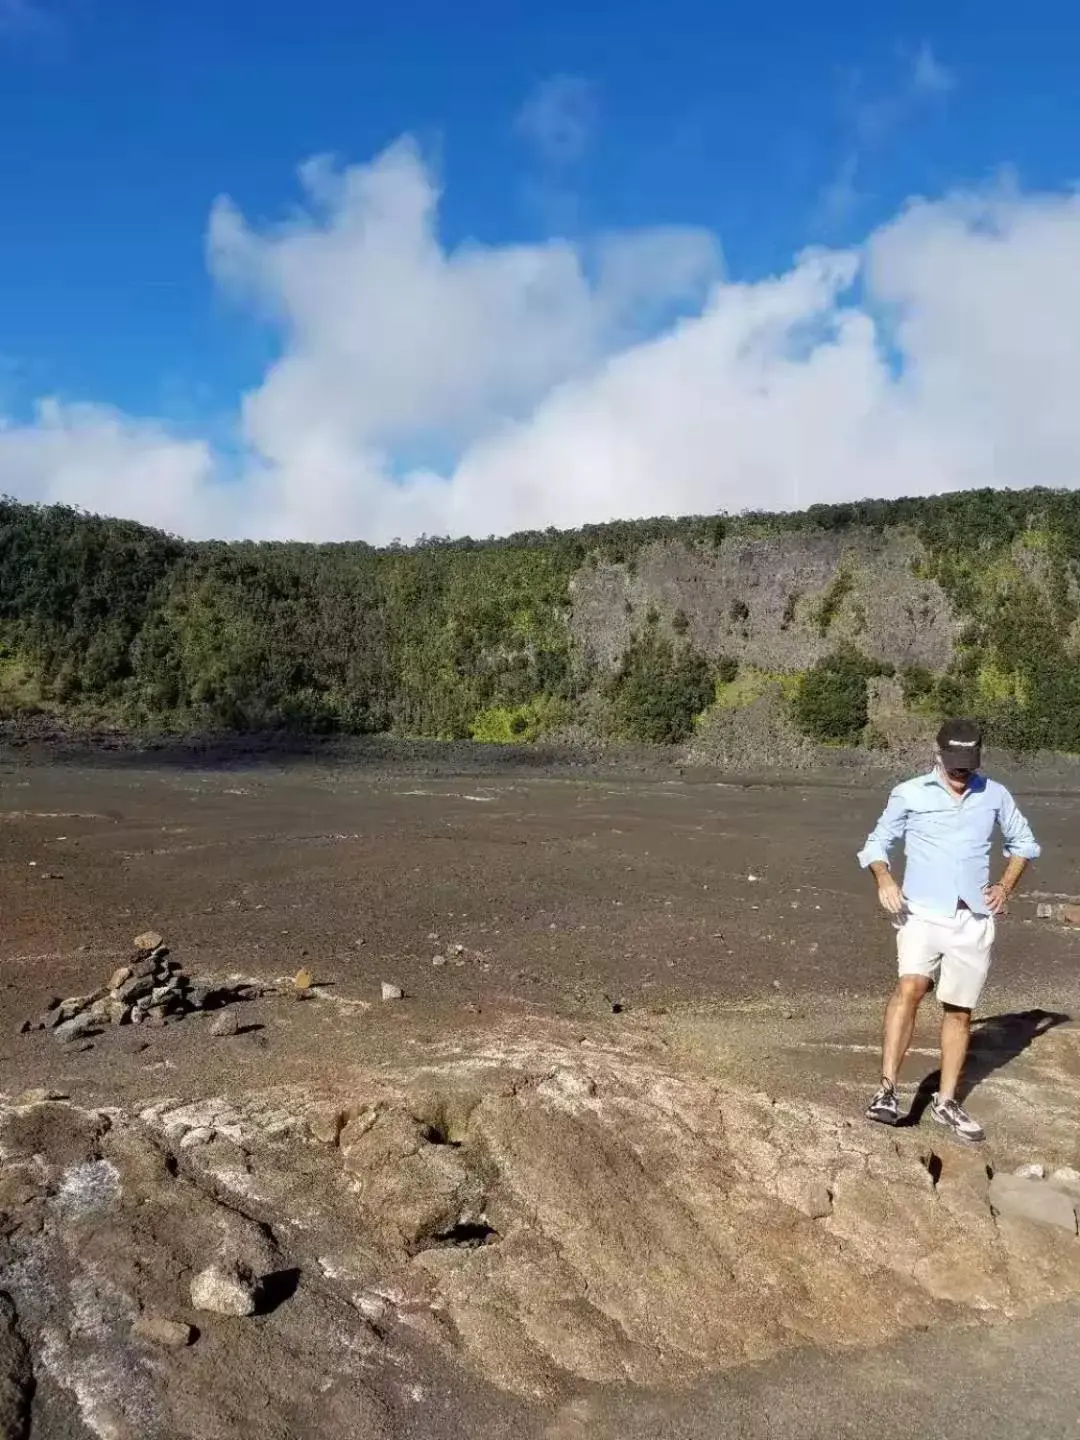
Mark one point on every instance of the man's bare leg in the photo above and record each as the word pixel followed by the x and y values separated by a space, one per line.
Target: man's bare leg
pixel 955 1037
pixel 900 1015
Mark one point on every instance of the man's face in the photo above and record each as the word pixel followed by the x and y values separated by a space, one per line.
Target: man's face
pixel 958 776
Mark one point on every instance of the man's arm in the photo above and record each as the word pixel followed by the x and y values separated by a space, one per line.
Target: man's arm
pixel 1020 847
pixel 874 856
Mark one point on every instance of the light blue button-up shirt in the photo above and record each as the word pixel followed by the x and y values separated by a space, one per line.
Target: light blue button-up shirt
pixel 947 839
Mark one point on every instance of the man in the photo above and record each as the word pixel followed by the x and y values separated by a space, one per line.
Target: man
pixel 944 914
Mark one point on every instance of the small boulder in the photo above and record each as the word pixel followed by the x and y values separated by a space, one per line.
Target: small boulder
pixel 225 1026
pixel 148 942
pixel 223 1290
pixel 302 981
pixel 392 992
pixel 134 989
pixel 120 977
pixel 77 1028
pixel 1043 911
pixel 119 1013
pixel 438 960
pixel 157 1330
pixel 69 1008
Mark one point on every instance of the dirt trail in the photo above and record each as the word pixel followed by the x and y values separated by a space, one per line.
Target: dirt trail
pixel 502 1206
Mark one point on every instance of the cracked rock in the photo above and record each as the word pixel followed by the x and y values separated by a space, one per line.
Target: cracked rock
pixel 809 1194
pixel 1027 1198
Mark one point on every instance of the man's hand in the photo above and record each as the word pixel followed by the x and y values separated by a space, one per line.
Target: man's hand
pixel 996 897
pixel 889 894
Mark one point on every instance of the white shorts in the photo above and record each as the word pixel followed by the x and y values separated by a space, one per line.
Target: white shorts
pixel 954 951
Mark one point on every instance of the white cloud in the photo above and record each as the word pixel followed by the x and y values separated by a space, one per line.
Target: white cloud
pixel 106 462
pixel 485 389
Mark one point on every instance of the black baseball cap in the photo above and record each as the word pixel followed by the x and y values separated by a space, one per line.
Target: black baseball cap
pixel 960 745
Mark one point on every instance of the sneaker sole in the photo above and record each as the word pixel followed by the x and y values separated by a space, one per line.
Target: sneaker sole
pixel 891 1120
pixel 959 1134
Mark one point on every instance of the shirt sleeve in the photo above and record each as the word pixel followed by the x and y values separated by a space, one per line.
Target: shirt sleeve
pixel 887 831
pixel 1015 830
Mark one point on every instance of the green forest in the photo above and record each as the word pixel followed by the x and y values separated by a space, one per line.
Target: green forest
pixel 108 621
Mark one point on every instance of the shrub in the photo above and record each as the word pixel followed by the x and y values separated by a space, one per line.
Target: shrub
pixel 916 684
pixel 835 594
pixel 830 702
pixel 726 670
pixel 520 724
pixel 659 690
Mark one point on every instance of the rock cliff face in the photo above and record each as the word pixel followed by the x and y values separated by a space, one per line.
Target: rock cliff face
pixel 778 603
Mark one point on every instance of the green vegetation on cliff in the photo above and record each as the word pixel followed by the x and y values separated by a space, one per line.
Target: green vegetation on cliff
pixel 110 620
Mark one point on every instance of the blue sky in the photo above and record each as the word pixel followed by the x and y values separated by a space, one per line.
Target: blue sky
pixel 771 127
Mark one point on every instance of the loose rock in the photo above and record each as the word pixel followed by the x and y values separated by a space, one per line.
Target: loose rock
pixel 135 988
pixel 156 1330
pixel 392 992
pixel 1031 1172
pixel 120 977
pixel 223 1291
pixel 438 960
pixel 225 1026
pixel 148 941
pixel 77 1028
pixel 302 981
pixel 1044 911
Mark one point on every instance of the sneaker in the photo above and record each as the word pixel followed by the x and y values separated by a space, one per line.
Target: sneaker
pixel 885 1107
pixel 955 1118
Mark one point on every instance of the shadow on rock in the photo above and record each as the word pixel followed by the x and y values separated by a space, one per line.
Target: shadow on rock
pixel 996 1040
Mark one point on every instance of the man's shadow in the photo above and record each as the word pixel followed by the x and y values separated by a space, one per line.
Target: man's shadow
pixel 995 1041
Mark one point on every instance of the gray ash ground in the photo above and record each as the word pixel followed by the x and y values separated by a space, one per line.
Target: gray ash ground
pixel 676 980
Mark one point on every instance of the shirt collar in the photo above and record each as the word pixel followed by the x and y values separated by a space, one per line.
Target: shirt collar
pixel 977 785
